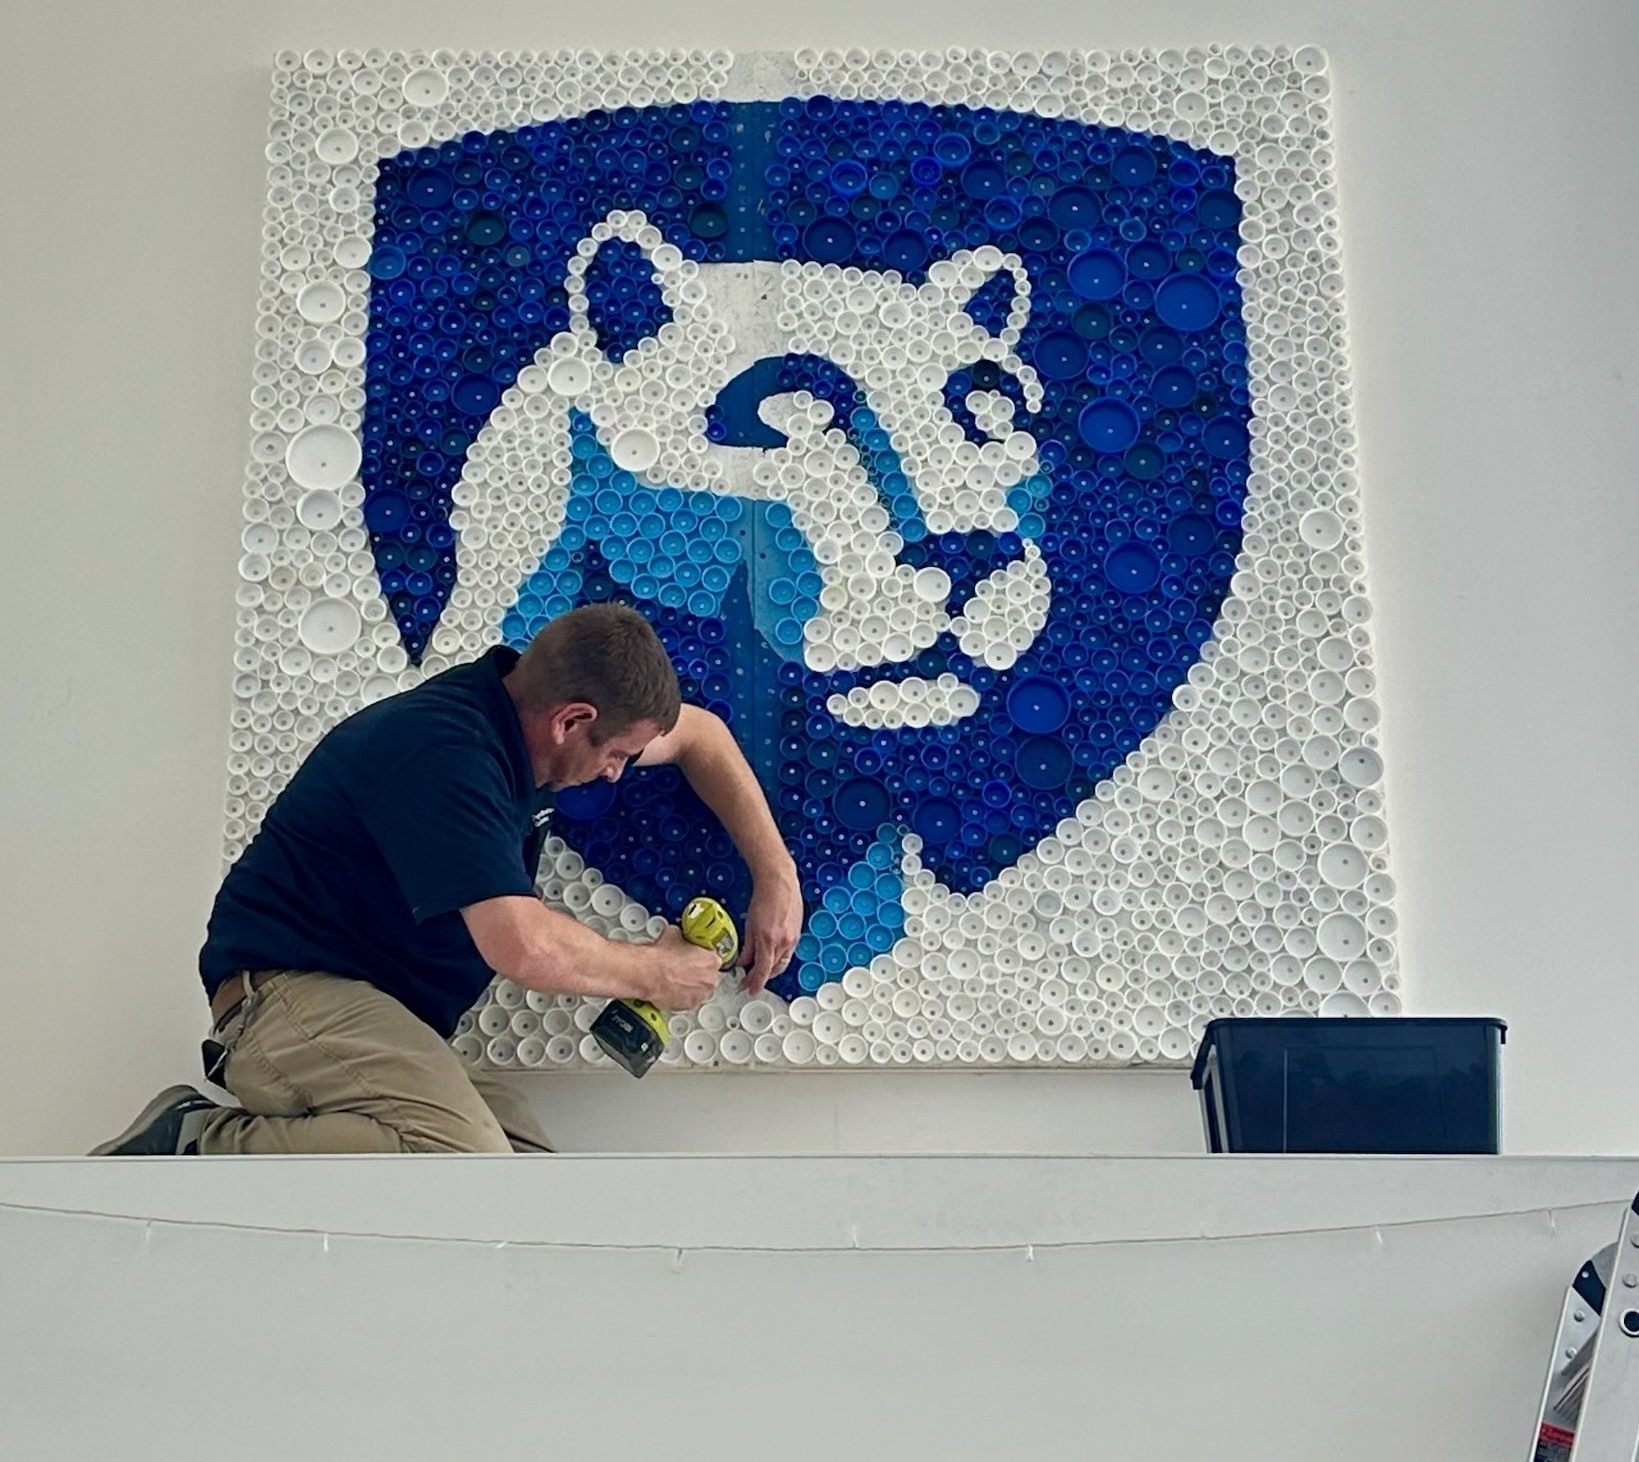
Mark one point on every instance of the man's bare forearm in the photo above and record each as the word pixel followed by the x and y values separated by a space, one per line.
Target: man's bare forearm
pixel 721 777
pixel 541 949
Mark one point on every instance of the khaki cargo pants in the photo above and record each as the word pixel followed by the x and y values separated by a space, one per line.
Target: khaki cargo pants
pixel 324 1064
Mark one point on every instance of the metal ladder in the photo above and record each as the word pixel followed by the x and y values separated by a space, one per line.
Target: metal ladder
pixel 1590 1403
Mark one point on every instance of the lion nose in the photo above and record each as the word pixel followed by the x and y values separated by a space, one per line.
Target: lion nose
pixel 732 419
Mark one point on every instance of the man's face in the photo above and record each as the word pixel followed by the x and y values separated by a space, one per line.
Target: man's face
pixel 583 759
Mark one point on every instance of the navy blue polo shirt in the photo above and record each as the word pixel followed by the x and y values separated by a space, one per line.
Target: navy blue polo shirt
pixel 406 812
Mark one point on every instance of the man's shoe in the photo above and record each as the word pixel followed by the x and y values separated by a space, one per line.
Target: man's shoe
pixel 167 1127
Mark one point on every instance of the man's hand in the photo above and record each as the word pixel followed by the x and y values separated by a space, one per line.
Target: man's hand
pixel 683 975
pixel 773 923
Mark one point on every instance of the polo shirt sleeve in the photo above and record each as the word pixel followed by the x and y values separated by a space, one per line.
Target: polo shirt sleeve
pixel 447 828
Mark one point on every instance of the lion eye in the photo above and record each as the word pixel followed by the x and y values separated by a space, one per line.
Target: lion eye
pixel 992 386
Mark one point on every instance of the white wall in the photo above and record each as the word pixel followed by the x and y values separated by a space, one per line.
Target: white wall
pixel 1491 210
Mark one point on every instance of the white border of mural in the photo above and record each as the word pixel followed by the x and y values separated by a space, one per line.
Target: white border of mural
pixel 1236 864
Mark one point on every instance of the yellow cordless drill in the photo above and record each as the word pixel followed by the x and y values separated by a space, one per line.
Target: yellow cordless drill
pixel 633 1033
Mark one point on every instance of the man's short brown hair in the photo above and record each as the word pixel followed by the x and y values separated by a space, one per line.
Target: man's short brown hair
pixel 608 656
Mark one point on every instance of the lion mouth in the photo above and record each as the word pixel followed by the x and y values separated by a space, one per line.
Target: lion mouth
pixel 997 624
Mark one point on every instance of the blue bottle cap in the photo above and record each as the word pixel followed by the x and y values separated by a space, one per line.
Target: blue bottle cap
pixel 1148 260
pixel 1073 207
pixel 829 240
pixel 849 178
pixel 1132 567
pixel 476 395
pixel 1218 209
pixel 1173 386
pixel 1097 274
pixel 937 820
pixel 1224 436
pixel 384 512
pixel 386 262
pixel 1192 535
pixel 1038 705
pixel 1145 461
pixel 1043 762
pixel 708 221
pixel 1187 301
pixel 983 180
pixel 1133 166
pixel 1061 355
pixel 1108 425
pixel 485 228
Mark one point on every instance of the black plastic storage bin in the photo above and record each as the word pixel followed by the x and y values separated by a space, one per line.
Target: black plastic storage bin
pixel 1397 1084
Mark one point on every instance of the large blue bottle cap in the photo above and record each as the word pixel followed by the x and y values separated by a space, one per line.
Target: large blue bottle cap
pixel 1132 567
pixel 1133 166
pixel 937 820
pixel 1225 437
pixel 1043 762
pixel 1187 301
pixel 905 251
pixel 386 262
pixel 1097 274
pixel 829 240
pixel 1038 705
pixel 861 802
pixel 1174 386
pixel 1061 355
pixel 1108 425
pixel 476 395
pixel 386 511
pixel 1192 535
pixel 1218 209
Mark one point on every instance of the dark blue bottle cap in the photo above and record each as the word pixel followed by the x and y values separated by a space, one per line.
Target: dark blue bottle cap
pixel 1097 274
pixel 386 262
pixel 1061 355
pixel 1091 322
pixel 486 228
pixel 1132 567
pixel 1187 301
pixel 937 820
pixel 1192 535
pixel 1133 166
pixel 386 511
pixel 1038 705
pixel 1148 260
pixel 708 221
pixel 1043 762
pixel 1159 346
pixel 1073 208
pixel 1108 425
pixel 983 180
pixel 1173 386
pixel 1218 209
pixel 1225 437
pixel 430 188
pixel 1144 460
pixel 476 395
pixel 829 240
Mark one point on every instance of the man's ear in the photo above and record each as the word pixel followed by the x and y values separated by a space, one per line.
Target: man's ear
pixel 565 718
